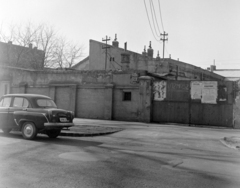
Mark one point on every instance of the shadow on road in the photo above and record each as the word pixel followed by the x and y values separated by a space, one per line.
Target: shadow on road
pixel 67 141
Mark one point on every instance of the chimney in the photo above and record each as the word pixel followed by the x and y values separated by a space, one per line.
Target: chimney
pixel 213 68
pixel 30 45
pixel 125 61
pixel 158 57
pixel 125 46
pixel 150 50
pixel 144 51
pixel 115 43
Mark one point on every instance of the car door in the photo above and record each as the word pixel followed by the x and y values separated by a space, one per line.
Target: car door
pixel 5 103
pixel 19 106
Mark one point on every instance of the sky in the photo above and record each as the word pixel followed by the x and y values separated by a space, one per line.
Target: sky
pixel 200 32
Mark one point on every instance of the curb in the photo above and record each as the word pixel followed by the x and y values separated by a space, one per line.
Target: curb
pixel 76 134
pixel 231 142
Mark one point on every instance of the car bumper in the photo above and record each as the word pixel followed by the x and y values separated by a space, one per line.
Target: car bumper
pixel 58 125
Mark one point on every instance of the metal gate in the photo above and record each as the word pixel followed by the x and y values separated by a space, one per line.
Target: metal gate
pixel 193 102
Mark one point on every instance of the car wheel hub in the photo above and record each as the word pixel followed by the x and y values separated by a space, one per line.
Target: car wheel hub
pixel 28 131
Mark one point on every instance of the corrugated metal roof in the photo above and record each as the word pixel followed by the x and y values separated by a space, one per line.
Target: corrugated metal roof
pixel 228 73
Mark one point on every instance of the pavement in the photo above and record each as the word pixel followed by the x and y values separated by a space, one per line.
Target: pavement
pixel 84 128
pixel 87 127
pixel 232 142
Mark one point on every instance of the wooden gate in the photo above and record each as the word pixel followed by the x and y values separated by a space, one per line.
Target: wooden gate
pixel 187 102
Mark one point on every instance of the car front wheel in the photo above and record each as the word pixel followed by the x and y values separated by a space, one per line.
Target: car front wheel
pixel 53 133
pixel 29 131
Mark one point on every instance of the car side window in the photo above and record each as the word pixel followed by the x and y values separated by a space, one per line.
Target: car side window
pixel 5 102
pixel 20 102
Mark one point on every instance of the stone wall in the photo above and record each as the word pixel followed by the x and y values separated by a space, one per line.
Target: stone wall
pixel 90 94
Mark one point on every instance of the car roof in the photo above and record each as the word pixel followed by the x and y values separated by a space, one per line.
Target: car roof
pixel 26 95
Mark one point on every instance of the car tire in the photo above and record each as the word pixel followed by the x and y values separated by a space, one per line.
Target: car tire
pixel 6 130
pixel 29 131
pixel 54 133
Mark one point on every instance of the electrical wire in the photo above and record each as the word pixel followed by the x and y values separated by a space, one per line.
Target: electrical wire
pixel 154 19
pixel 150 22
pixel 160 12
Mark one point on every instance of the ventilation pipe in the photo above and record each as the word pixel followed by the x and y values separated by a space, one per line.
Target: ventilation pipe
pixel 144 51
pixel 115 43
pixel 150 50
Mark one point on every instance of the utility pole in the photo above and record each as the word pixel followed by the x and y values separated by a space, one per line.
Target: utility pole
pixel 106 47
pixel 164 39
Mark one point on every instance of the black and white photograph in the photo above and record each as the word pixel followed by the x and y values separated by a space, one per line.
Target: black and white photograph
pixel 119 94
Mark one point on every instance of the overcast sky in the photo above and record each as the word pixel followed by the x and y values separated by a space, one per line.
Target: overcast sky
pixel 199 31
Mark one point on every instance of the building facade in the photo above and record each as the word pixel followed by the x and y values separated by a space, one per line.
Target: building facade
pixel 20 56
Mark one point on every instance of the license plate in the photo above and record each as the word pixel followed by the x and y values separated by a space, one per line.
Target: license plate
pixel 63 120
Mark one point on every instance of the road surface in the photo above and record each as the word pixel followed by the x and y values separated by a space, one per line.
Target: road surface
pixel 142 155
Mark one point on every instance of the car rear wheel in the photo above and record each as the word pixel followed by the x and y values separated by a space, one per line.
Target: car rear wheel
pixel 29 131
pixel 6 130
pixel 53 133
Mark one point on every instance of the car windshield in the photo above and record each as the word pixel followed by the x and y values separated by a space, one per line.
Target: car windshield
pixel 46 103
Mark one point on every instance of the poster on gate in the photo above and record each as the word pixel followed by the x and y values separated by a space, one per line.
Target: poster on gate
pixel 209 92
pixel 196 90
pixel 159 90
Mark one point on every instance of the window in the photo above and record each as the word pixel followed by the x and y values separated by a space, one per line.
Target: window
pixel 20 102
pixel 46 103
pixel 5 102
pixel 127 96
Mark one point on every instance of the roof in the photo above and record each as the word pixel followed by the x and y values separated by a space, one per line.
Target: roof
pixel 81 62
pixel 27 95
pixel 229 73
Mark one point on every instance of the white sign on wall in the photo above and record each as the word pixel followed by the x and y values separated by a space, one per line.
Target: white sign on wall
pixel 196 90
pixel 159 90
pixel 209 92
pixel 206 91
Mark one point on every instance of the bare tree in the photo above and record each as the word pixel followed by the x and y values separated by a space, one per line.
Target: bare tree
pixel 59 52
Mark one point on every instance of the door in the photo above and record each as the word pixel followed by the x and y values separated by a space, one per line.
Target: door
pixel 4 110
pixel 19 104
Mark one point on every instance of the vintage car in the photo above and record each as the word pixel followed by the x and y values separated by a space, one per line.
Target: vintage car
pixel 32 114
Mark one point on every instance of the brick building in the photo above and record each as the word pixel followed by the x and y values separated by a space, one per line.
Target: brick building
pixel 167 67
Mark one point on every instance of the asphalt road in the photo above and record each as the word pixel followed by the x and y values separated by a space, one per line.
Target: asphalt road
pixel 142 155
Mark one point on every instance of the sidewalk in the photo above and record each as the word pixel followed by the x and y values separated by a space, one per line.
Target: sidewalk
pixel 85 127
pixel 95 127
pixel 232 142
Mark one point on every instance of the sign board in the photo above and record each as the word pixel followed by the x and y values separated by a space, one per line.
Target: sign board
pixel 159 90
pixel 196 90
pixel 206 91
pixel 209 92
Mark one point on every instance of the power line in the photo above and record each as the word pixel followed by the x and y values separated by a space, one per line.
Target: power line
pixel 154 20
pixel 160 12
pixel 150 22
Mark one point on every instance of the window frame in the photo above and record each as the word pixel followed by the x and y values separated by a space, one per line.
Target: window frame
pixel 23 99
pixel 126 96
pixel 2 99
